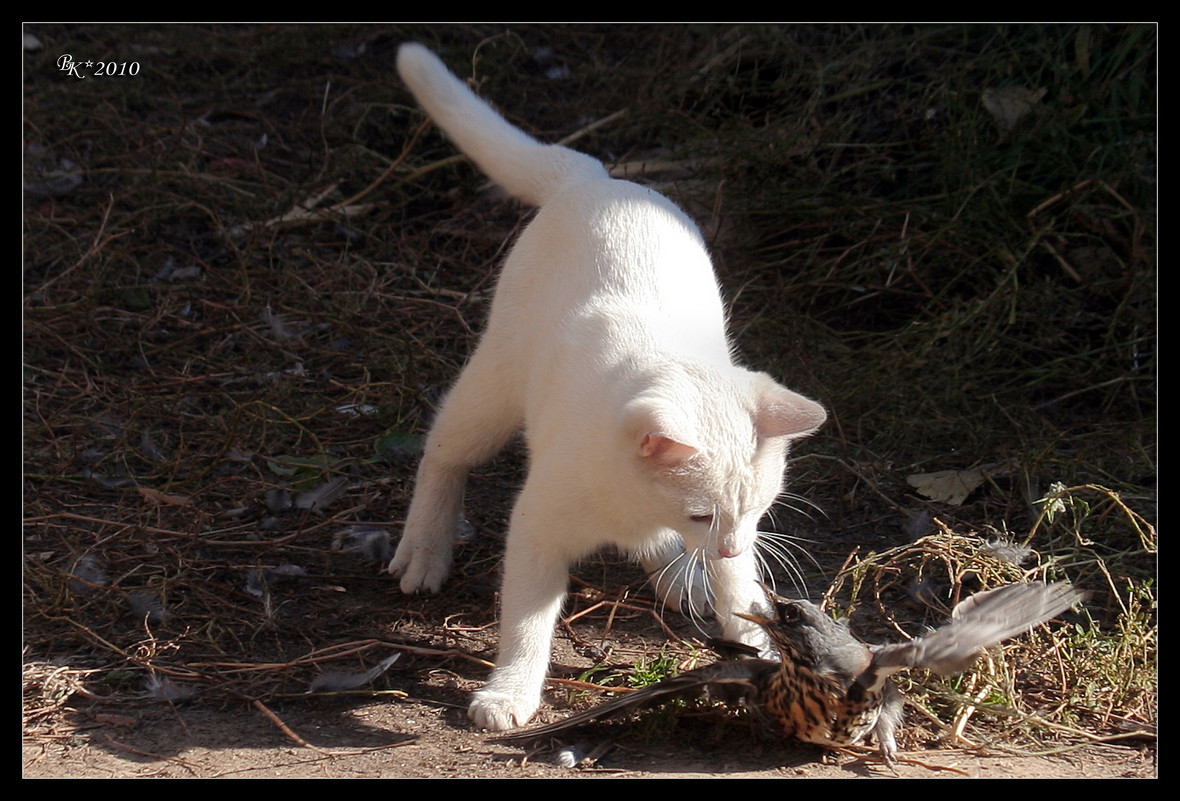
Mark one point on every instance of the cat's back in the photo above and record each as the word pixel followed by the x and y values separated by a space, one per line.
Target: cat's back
pixel 613 236
pixel 606 267
pixel 619 210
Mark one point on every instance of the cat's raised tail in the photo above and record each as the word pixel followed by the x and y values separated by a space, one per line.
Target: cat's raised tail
pixel 524 167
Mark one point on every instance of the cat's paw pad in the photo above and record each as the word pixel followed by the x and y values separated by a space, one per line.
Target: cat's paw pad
pixel 497 711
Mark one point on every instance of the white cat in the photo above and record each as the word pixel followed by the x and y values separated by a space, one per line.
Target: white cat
pixel 607 344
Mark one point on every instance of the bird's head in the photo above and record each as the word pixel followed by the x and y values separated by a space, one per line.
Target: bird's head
pixel 800 629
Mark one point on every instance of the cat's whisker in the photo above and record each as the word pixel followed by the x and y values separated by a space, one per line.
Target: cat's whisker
pixel 776 548
pixel 793 502
pixel 783 541
pixel 696 615
pixel 693 583
pixel 672 582
pixel 656 579
pixel 785 550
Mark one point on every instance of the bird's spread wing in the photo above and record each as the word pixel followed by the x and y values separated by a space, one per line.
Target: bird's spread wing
pixel 981 621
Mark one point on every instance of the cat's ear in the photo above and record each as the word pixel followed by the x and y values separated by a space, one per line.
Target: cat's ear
pixel 783 413
pixel 660 435
pixel 664 451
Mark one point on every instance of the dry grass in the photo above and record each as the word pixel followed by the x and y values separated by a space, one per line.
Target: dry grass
pixel 245 278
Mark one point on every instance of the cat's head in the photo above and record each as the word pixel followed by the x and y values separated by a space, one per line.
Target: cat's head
pixel 710 449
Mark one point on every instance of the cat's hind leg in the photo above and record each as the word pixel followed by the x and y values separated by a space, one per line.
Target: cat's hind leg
pixel 476 419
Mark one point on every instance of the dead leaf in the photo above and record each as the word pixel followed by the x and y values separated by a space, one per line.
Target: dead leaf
pixel 946 486
pixel 1009 105
pixel 163 497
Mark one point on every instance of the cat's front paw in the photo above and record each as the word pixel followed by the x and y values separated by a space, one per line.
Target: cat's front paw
pixel 679 580
pixel 684 589
pixel 496 711
pixel 422 568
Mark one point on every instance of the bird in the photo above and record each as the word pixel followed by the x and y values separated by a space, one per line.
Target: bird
pixel 830 688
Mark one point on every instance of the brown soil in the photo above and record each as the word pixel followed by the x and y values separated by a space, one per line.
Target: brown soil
pixel 417 727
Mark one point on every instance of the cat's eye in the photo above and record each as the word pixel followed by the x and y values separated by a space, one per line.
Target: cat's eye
pixel 706 520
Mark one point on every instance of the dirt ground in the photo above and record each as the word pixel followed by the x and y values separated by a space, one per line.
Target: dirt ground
pixel 247 284
pixel 416 727
pixel 412 739
pixel 413 723
pixel 426 735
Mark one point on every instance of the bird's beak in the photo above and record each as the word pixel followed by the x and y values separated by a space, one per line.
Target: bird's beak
pixel 761 621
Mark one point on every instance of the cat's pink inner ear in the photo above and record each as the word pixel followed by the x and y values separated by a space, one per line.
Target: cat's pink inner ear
pixel 659 432
pixel 782 413
pixel 664 451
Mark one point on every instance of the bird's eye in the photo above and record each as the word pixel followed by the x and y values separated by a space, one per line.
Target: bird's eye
pixel 788 613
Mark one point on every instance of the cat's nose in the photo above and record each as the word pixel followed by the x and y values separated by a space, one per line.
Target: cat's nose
pixel 732 544
pixel 734 541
